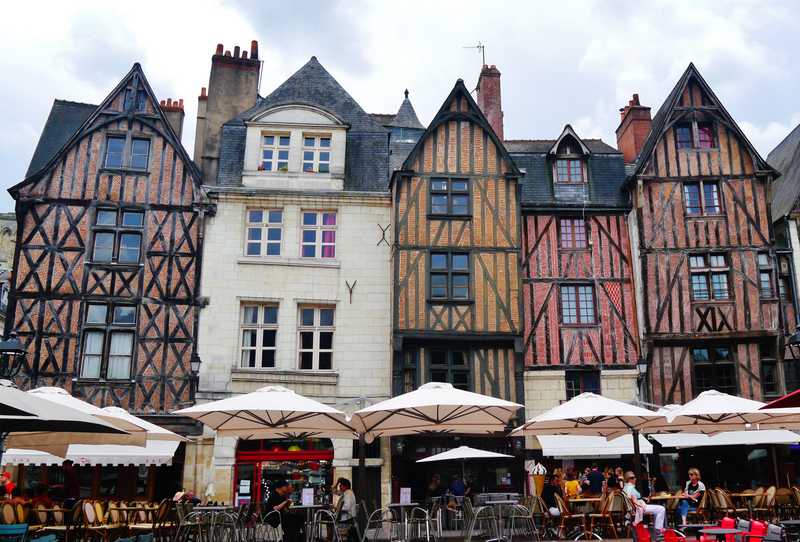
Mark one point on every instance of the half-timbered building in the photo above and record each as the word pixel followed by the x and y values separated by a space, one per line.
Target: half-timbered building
pixel 107 262
pixel 456 265
pixel 715 302
pixel 577 276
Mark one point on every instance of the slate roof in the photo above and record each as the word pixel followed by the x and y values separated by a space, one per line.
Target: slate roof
pixel 406 116
pixel 367 154
pixel 383 118
pixel 604 189
pixel 786 159
pixel 64 120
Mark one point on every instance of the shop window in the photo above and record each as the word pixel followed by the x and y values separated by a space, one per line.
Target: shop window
pixel 580 381
pixel 117 236
pixel 769 370
pixel 259 331
pixel 572 233
pixel 319 234
pixel 449 276
pixel 316 329
pixel 577 304
pixel 709 276
pixel 451 366
pixel 714 369
pixel 108 339
pixel 449 197
pixel 264 232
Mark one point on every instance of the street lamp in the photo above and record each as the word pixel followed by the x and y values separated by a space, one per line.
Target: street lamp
pixel 12 357
pixel 641 366
pixel 794 343
pixel 194 367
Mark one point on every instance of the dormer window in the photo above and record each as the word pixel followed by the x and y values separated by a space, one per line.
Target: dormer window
pixel 569 161
pixel 695 135
pixel 275 152
pixel 316 153
pixel 569 170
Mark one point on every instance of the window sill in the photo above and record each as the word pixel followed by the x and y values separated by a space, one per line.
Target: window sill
pixel 432 216
pixel 581 326
pixel 120 170
pixel 450 302
pixel 115 265
pixel 101 381
pixel 698 149
pixel 584 249
pixel 290 262
pixel 729 301
pixel 701 217
pixel 285 376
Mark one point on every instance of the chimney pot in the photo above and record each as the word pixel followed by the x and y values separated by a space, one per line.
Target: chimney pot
pixel 180 103
pixel 163 103
pixel 244 55
pixel 236 50
pixel 203 92
pixel 489 98
pixel 634 127
pixel 254 49
pixel 219 49
pixel 227 53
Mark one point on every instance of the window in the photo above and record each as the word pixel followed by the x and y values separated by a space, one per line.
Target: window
pixel 450 197
pixel 316 153
pixel 769 370
pixel 579 382
pixel 316 329
pixel 117 236
pixel 702 198
pixel 791 374
pixel 705 135
pixel 141 99
pixel 259 327
pixel 765 275
pixel 449 276
pixel 114 150
pixel 274 152
pixel 569 170
pixel 785 277
pixel 319 234
pixel 577 304
pixel 683 136
pixel 709 276
pixel 108 336
pixel 714 369
pixel 140 152
pixel 451 366
pixel 572 232
pixel 264 232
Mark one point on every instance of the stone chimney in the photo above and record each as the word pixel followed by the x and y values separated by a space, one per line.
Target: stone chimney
pixel 173 110
pixel 634 127
pixel 489 98
pixel 232 88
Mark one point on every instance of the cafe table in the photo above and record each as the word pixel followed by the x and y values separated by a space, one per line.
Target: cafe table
pixel 403 507
pixel 720 533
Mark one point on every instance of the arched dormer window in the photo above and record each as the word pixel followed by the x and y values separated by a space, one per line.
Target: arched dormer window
pixel 569 158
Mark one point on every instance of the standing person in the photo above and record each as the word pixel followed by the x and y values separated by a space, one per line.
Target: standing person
pixel 549 492
pixel 347 507
pixel 72 486
pixel 641 506
pixel 692 495
pixel 596 480
pixel 279 501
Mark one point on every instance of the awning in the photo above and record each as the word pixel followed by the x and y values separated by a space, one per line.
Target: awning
pixel 157 452
pixel 727 438
pixel 566 446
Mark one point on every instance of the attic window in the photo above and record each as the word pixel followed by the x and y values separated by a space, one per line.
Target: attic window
pixel 141 99
pixel 274 152
pixel 569 170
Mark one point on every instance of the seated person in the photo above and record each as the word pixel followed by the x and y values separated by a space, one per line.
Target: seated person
pixel 549 492
pixel 572 487
pixel 692 495
pixel 641 506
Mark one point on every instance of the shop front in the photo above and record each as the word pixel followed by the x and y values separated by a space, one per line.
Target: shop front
pixel 306 463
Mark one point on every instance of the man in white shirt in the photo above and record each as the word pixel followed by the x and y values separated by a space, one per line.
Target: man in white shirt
pixel 347 506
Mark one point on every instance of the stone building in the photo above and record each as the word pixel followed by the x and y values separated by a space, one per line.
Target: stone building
pixel 297 268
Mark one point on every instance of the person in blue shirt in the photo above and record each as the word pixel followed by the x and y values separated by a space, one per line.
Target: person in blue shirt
pixel 596 480
pixel 641 506
pixel 457 486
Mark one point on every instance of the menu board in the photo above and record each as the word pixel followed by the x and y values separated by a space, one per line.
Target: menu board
pixel 405 495
pixel 308 496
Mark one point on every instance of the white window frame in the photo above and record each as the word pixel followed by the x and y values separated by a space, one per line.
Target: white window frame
pixel 319 228
pixel 276 148
pixel 259 327
pixel 107 328
pixel 316 149
pixel 264 227
pixel 317 328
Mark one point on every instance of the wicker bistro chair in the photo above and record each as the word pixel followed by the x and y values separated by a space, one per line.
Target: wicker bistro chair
pixel 765 509
pixel 567 519
pixel 540 515
pixel 602 520
pixel 9 514
pixel 95 525
pixel 785 507
pixel 161 524
pixel 702 513
pixel 724 505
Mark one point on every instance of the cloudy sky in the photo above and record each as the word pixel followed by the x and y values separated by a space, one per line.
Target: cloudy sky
pixel 562 62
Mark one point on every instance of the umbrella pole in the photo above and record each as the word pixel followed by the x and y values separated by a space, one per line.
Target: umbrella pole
pixel 362 467
pixel 637 457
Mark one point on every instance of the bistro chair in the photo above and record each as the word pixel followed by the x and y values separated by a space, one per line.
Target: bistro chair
pixel 9 514
pixel 324 522
pixel 540 515
pixel 784 503
pixel 379 526
pixel 702 512
pixel 435 517
pixel 603 520
pixel 13 533
pixel 266 531
pixel 95 525
pixel 419 522
pixel 519 522
pixel 766 508
pixel 567 518
pixel 725 506
pixel 483 523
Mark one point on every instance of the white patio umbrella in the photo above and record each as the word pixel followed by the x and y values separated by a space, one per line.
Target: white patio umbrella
pixel 435 407
pixel 710 412
pixel 463 453
pixel 591 414
pixel 270 412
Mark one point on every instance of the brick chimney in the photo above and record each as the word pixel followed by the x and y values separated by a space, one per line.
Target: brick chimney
pixel 489 98
pixel 633 129
pixel 173 110
pixel 232 88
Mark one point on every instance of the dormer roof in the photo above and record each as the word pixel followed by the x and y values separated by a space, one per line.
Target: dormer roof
pixel 569 133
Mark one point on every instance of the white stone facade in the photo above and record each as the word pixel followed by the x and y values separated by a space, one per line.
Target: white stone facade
pixel 362 319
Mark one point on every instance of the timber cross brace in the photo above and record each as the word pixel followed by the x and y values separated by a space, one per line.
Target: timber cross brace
pixel 383 235
pixel 350 289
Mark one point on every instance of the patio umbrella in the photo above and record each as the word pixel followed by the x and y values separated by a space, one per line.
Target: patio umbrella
pixel 591 414
pixel 710 412
pixel 463 453
pixel 270 412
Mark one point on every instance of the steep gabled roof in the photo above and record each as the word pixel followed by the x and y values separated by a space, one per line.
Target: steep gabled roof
pixel 595 146
pixel 473 114
pixel 406 116
pixel 786 189
pixel 569 132
pixel 169 134
pixel 64 120
pixel 661 120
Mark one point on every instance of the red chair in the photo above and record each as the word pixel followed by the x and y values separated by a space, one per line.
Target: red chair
pixel 641 533
pixel 757 531
pixel 671 535
pixel 724 523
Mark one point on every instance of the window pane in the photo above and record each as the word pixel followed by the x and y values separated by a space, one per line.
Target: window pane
pixel 119 358
pixel 254 234
pixel 329 219
pixel 309 251
pixel 306 340
pixel 308 156
pixel 438 357
pixel 765 283
pixel 267 359
pixel 124 315
pixel 711 197
pixel 439 185
pixel 569 310
pixel 438 260
pixel 96 314
pixel 324 157
pixel 763 259
pixel 140 151
pixel 268 338
pixel 309 236
pixel 586 304
pixel 439 204
pixel 699 286
pixel 324 168
pixel 683 136
pixel 308 142
pixel 273 249
pixel 717 260
pixel 697 262
pixel 460 262
pixel 306 360
pixel 438 286
pixel 326 317
pixel 310 219
pixel 250 315
pixel 132 218
pixel 270 315
pixel 268 140
pixel 458 186
pixel 307 317
pixel 705 135
pixel 249 338
pixel 328 236
pixel 129 244
pixel 719 285
pixel 114 147
pixel 106 217
pixel 92 354
pixel 328 251
pixel 460 286
pixel 326 340
pixel 308 167
pixel 459 358
pixel 691 193
pixel 284 141
pixel 282 155
pixel 103 247
pixel 460 205
pixel 325 361
pixel 325 142
pixel 700 355
pixel 274 234
pixel 248 358
pixel 275 216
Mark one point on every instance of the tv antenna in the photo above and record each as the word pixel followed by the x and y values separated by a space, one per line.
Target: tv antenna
pixel 481 47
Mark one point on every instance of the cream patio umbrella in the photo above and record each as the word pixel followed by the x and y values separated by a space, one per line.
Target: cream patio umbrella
pixel 710 412
pixel 592 414
pixel 463 453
